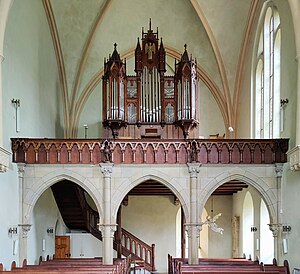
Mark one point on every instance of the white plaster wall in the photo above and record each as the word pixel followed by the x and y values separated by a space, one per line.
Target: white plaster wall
pixel 153 220
pixel 30 74
pixel 209 110
pixel 85 245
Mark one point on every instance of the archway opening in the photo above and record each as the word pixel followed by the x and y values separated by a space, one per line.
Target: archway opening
pixel 152 214
pixel 266 244
pixel 64 214
pixel 248 223
pixel 244 218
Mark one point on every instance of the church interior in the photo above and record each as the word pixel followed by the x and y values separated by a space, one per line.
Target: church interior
pixel 144 131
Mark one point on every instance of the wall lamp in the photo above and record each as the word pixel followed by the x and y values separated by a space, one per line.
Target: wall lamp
pixel 50 230
pixel 85 130
pixel 253 228
pixel 284 102
pixel 12 230
pixel 286 228
pixel 17 104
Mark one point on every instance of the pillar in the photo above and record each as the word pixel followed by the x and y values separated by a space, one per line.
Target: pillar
pixel 23 233
pixel 193 227
pixel 107 228
pixel 275 228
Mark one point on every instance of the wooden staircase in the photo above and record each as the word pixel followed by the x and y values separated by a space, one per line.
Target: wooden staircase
pixel 78 214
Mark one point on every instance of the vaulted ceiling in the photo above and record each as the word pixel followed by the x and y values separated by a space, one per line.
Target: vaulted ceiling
pixel 217 33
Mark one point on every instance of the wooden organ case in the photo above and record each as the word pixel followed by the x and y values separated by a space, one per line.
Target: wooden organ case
pixel 150 104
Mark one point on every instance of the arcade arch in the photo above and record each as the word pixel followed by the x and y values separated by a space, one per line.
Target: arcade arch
pixel 33 190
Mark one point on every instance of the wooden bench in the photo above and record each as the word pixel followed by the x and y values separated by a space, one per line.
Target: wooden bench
pixel 220 265
pixel 68 266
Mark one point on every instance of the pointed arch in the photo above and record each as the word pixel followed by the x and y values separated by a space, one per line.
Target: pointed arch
pixel 267 193
pixel 144 175
pixel 31 195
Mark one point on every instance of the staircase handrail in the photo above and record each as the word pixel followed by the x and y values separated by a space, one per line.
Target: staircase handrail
pixel 138 249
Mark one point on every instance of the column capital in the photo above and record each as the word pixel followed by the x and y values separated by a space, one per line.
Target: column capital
pixel 275 228
pixel 190 227
pixel 106 169
pixel 279 169
pixel 25 229
pixel 1 58
pixel 21 169
pixel 194 169
pixel 111 228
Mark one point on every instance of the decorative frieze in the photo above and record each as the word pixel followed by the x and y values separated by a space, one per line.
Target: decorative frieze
pixel 4 158
pixel 294 158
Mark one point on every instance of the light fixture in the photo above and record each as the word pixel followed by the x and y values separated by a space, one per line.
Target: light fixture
pixel 231 130
pixel 17 104
pixel 284 102
pixel 286 228
pixel 50 230
pixel 85 130
pixel 12 230
pixel 253 228
pixel 211 221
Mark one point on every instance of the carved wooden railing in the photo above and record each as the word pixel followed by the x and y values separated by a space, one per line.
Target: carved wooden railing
pixel 138 250
pixel 205 151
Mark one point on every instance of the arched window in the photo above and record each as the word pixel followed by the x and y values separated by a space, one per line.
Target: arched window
pixel 248 221
pixel 266 76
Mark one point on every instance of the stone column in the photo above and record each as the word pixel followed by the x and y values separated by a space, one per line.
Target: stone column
pixel 193 228
pixel 107 228
pixel 23 232
pixel 276 229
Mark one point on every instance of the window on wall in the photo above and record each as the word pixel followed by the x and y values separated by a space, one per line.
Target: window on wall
pixel 266 76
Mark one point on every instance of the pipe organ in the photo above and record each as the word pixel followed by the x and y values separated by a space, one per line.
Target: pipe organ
pixel 150 104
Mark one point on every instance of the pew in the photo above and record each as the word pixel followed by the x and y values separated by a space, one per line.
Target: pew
pixel 68 266
pixel 284 269
pixel 222 265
